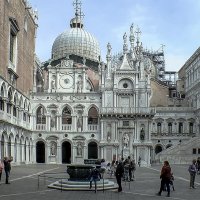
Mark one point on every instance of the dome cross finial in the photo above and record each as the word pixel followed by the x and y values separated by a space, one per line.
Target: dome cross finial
pixel 77 21
pixel 78 11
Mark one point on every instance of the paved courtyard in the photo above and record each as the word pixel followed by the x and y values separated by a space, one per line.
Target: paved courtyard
pixel 24 185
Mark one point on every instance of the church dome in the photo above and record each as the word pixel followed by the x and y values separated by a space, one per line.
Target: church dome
pixel 76 41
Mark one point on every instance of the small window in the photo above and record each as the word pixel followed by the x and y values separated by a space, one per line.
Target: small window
pixel 125 123
pixel 125 85
pixel 198 151
pixel 194 151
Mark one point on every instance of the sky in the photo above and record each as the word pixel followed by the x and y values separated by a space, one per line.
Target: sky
pixel 172 23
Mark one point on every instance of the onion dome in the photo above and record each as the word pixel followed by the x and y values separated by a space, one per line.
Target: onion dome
pixel 76 41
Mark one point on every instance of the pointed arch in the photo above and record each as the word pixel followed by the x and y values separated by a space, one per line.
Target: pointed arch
pixel 93 115
pixel 41 118
pixel 66 115
pixel 2 95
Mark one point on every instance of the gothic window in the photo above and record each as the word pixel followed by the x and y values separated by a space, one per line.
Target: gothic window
pixel 191 127
pixel 92 116
pixel 9 103
pixel 1 100
pixel 180 127
pixel 169 127
pixel 66 116
pixel 159 127
pixel 1 104
pixel 40 115
pixel 14 107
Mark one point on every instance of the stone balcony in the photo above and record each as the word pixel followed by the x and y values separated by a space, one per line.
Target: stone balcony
pixel 6 117
pixel 173 134
pixel 134 111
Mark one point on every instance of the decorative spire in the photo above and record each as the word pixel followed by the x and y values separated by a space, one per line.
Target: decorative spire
pixel 138 33
pixel 77 21
pixel 132 37
pixel 109 48
pixel 125 46
pixel 109 56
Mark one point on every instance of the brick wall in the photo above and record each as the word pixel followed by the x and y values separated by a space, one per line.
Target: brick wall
pixel 25 43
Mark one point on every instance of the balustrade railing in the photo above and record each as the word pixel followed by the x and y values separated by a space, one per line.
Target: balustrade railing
pixel 93 127
pixel 41 127
pixel 66 127
pixel 127 110
pixel 173 134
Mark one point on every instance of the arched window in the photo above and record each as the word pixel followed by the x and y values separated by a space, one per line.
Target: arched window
pixel 25 107
pixel 92 116
pixel 169 127
pixel 191 127
pixel 66 116
pixel 9 103
pixel 180 127
pixel 14 107
pixel 159 127
pixel 41 118
pixel 1 99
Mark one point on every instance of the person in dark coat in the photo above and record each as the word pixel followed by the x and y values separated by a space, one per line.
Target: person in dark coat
pixel 7 168
pixel 94 176
pixel 165 176
pixel 119 175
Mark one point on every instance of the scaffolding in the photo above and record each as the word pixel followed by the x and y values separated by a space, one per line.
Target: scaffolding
pixel 157 57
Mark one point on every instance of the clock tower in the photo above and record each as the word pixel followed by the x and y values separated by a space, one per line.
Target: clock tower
pixel 68 77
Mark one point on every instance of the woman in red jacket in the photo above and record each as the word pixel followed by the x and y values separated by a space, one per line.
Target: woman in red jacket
pixel 165 178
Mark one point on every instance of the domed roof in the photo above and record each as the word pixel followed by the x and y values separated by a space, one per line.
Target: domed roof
pixel 76 41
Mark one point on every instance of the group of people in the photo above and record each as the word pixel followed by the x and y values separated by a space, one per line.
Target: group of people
pixel 124 169
pixel 167 177
pixel 5 164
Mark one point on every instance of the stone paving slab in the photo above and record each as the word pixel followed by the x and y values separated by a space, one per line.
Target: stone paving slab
pixel 24 185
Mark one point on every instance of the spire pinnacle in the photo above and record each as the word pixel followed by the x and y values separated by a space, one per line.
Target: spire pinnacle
pixel 77 21
pixel 125 46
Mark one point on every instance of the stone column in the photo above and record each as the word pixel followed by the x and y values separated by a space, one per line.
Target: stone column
pixel 59 122
pixel 74 123
pixel 48 118
pixel 85 123
pixel 102 129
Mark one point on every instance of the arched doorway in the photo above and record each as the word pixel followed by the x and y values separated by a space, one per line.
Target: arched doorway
pixel 158 149
pixel 92 150
pixel 40 152
pixel 66 152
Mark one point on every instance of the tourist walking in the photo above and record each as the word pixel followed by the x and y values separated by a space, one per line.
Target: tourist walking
pixel 7 168
pixel 192 170
pixel 139 161
pixel 165 177
pixel 119 174
pixel 1 168
pixel 94 176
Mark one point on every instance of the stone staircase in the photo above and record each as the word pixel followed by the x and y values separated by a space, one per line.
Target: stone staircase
pixel 103 184
pixel 181 153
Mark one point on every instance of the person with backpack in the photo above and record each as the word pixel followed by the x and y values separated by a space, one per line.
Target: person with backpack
pixel 94 176
pixel 165 177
